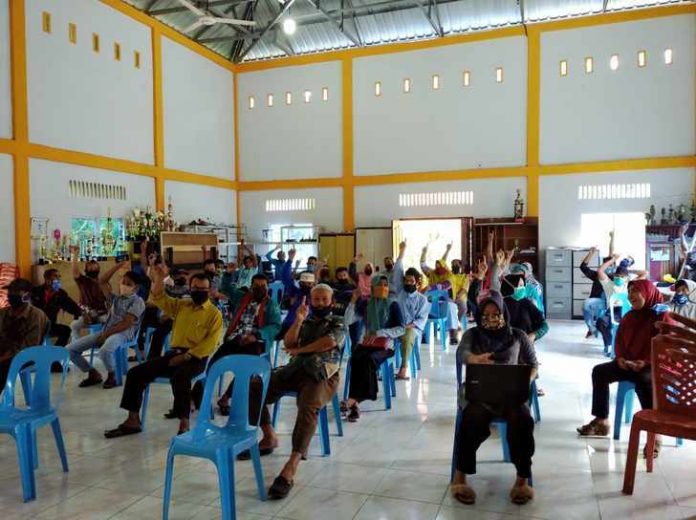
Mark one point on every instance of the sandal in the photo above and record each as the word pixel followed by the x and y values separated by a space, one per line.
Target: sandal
pixel 343 406
pixel 121 431
pixel 402 378
pixel 593 429
pixel 280 488
pixel 463 493
pixel 520 495
pixel 354 414
pixel 656 449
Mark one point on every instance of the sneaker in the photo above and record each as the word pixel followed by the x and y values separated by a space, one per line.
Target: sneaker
pixel 593 429
pixel 90 380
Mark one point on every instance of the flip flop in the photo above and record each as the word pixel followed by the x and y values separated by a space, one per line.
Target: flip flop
pixel 121 431
pixel 280 488
pixel 520 495
pixel 463 493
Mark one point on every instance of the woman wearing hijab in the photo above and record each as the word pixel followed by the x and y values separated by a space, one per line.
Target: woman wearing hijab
pixel 362 279
pixel 534 289
pixel 684 300
pixel 524 314
pixel 494 340
pixel 632 362
pixel 382 318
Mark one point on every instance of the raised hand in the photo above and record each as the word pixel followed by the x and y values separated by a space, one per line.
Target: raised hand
pixel 402 246
pixel 291 254
pixel 500 257
pixel 231 267
pixel 302 310
pixel 355 296
pixel 160 272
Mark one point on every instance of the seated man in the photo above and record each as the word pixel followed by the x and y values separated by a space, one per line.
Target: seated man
pixel 441 278
pixel 414 309
pixel 121 326
pixel 395 271
pixel 196 333
pixel 51 299
pixel 256 311
pixel 595 306
pixel 277 263
pixel 21 325
pixel 250 267
pixel 343 291
pixel 92 294
pixel 314 341
pixel 176 286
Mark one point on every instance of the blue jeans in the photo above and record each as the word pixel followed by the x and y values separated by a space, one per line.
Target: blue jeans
pixel 106 351
pixel 592 309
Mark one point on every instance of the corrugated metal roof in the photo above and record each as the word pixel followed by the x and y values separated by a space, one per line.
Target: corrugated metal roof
pixel 366 22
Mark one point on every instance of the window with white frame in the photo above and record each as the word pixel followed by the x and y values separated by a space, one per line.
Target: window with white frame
pixel 438 198
pixel 299 204
pixel 614 191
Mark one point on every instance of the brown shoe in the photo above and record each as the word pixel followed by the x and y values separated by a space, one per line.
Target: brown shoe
pixel 593 429
pixel 521 494
pixel 92 379
pixel 110 383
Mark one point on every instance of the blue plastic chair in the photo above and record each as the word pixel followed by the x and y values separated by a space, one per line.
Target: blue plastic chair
pixel 159 380
pixel 438 316
pixel 222 444
pixel 277 290
pixel 534 401
pixel 22 423
pixel 616 300
pixel 386 374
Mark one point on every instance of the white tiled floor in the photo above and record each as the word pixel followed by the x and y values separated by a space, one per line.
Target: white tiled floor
pixel 390 465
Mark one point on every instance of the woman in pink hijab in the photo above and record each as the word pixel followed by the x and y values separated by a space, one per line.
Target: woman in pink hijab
pixel 362 279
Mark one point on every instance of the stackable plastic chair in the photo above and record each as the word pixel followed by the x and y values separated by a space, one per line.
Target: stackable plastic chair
pixel 438 316
pixel 222 444
pixel 386 371
pixel 616 300
pixel 22 423
pixel 277 290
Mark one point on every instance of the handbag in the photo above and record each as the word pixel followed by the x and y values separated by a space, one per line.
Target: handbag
pixel 376 343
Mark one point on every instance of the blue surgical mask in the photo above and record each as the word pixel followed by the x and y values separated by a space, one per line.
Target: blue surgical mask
pixel 680 299
pixel 55 285
pixel 520 293
pixel 619 282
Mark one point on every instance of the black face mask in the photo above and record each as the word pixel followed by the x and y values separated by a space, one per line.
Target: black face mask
pixel 210 274
pixel 368 272
pixel 180 282
pixel 320 312
pixel 305 289
pixel 410 288
pixel 199 297
pixel 456 269
pixel 92 274
pixel 389 267
pixel 17 300
pixel 342 283
pixel 258 293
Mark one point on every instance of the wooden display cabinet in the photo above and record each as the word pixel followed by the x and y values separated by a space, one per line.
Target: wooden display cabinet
pixel 508 235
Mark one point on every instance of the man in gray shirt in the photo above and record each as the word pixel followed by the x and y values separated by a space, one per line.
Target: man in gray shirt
pixel 121 326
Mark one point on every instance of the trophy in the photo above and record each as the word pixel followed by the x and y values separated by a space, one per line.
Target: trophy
pixel 519 207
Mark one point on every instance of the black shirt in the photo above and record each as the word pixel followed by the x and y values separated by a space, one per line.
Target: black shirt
pixel 57 301
pixel 597 290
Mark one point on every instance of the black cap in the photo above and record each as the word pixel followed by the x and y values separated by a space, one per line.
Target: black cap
pixel 19 284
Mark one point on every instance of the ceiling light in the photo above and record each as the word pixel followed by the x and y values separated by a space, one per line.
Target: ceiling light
pixel 289 26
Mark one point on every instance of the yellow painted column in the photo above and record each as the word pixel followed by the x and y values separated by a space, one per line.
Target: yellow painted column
pixel 22 199
pixel 533 127
pixel 348 180
pixel 158 114
pixel 237 171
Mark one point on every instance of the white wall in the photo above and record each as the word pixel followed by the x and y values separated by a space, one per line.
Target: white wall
pixel 198 98
pixel 561 210
pixel 379 205
pixel 81 100
pixel 50 193
pixel 7 216
pixel 301 140
pixel 627 113
pixel 193 201
pixel 5 74
pixel 452 128
pixel 328 212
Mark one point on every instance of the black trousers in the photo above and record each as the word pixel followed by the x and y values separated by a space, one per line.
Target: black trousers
pixel 607 373
pixel 475 427
pixel 150 319
pixel 158 337
pixel 61 333
pixel 179 376
pixel 363 372
pixel 231 347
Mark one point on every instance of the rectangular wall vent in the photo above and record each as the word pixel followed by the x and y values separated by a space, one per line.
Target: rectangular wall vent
pixel 440 198
pixel 303 204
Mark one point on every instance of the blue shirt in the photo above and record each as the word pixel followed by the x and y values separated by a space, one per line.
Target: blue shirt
pixel 277 266
pixel 121 306
pixel 395 277
pixel 415 308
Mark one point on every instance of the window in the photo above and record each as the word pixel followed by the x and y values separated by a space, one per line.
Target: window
pixel 269 100
pixel 668 56
pixel 325 94
pixel 46 22
pixel 288 98
pixel 440 198
pixel 564 68
pixel 117 51
pixel 499 75
pixel 378 88
pixel 642 59
pixel 302 204
pixel 589 65
pixel 95 42
pixel 407 86
pixel 436 82
pixel 72 33
pixel 136 59
pixel 614 62
pixel 307 96
pixel 614 191
pixel 467 78
pixel 252 102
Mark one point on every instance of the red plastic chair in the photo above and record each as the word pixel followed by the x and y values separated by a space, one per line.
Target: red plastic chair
pixel 674 401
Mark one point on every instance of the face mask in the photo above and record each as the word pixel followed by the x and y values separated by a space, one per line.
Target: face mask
pixel 305 289
pixel 320 312
pixel 680 299
pixel 456 269
pixel 440 270
pixel 368 271
pixel 126 290
pixel 180 282
pixel 55 285
pixel 342 281
pixel 209 275
pixel 381 292
pixel 324 274
pixel 17 300
pixel 519 293
pixel 619 282
pixel 92 274
pixel 310 268
pixel 410 289
pixel 494 322
pixel 199 297
pixel 389 266
pixel 259 293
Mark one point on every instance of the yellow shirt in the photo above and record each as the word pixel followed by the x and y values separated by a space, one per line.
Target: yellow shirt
pixel 460 282
pixel 197 328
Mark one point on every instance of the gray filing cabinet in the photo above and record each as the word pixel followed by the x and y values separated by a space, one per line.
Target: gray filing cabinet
pixel 559 283
pixel 582 286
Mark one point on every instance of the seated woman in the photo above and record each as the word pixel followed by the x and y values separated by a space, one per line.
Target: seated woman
pixel 382 318
pixel 494 335
pixel 684 301
pixel 524 314
pixel 632 362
